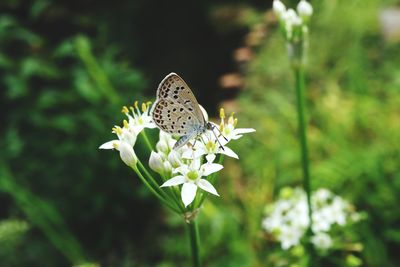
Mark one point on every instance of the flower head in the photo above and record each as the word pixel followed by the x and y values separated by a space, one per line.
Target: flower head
pixel 124 144
pixel 139 118
pixel 228 128
pixel 287 219
pixel 190 176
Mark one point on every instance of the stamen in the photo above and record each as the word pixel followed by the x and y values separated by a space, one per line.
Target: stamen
pixel 231 119
pixel 117 130
pixel 125 110
pixel 144 107
pixel 126 124
pixel 115 145
pixel 222 113
pixel 136 104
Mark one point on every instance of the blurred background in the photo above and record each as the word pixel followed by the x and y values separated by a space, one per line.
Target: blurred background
pixel 67 68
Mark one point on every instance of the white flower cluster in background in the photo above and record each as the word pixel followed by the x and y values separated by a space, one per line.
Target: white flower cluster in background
pixel 287 219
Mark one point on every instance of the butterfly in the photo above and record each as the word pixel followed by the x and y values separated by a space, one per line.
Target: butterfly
pixel 176 110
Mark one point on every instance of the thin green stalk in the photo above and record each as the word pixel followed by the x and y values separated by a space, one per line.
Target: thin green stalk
pixel 155 184
pixel 146 140
pixel 194 242
pixel 299 76
pixel 161 198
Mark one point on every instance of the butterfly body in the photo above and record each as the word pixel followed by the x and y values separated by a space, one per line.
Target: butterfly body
pixel 176 110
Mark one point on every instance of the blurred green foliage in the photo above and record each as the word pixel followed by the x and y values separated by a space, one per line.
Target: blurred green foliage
pixel 63 84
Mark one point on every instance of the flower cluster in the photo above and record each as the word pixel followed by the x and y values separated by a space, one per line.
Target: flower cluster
pixel 127 134
pixel 185 165
pixel 287 219
pixel 294 26
pixel 193 166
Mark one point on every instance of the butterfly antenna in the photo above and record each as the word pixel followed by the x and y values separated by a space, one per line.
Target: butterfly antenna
pixel 220 133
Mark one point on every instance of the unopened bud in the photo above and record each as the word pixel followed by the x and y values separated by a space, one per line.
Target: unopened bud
pixel 304 9
pixel 279 8
pixel 127 154
pixel 175 159
pixel 156 162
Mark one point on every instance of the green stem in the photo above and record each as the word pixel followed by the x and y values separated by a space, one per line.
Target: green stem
pixel 146 140
pixel 299 76
pixel 194 242
pixel 159 190
pixel 146 183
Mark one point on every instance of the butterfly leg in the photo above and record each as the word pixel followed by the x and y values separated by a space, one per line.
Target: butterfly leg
pixel 220 134
pixel 216 137
pixel 183 140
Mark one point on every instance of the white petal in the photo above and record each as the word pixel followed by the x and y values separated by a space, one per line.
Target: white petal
pixel 109 144
pixel 236 136
pixel 203 110
pixel 193 154
pixel 188 193
pixel 207 186
pixel 211 168
pixel 229 152
pixel 196 163
pixel 182 169
pixel 210 158
pixel 177 180
pixel 244 130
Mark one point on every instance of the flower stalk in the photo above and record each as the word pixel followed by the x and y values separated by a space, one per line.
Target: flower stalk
pixel 294 26
pixel 194 242
pixel 305 163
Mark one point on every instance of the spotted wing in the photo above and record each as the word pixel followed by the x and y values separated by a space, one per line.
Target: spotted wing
pixel 174 88
pixel 172 117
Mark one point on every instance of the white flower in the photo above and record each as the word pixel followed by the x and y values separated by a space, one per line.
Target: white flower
pixel 287 219
pixel 279 8
pixel 228 129
pixel 322 241
pixel 304 9
pixel 191 179
pixel 124 144
pixel 211 147
pixel 139 119
pixel 291 18
pixel 290 236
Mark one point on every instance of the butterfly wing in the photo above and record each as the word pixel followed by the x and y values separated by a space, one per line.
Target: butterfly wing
pixel 172 117
pixel 174 88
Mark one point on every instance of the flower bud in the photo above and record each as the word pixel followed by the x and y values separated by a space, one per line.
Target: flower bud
pixel 175 159
pixel 304 9
pixel 156 162
pixel 162 146
pixel 167 168
pixel 127 154
pixel 279 8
